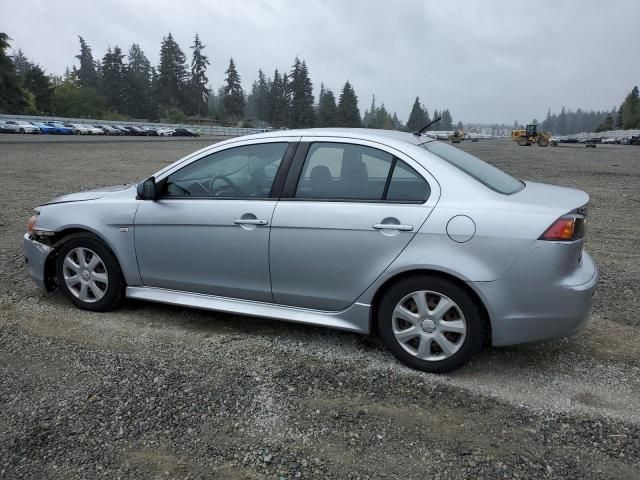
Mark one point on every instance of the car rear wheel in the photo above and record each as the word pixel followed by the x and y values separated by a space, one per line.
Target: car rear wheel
pixel 89 274
pixel 430 324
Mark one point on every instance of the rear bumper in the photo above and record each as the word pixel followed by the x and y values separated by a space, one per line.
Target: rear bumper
pixel 35 254
pixel 529 311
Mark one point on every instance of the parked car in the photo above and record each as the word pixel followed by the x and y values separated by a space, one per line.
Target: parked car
pixel 185 132
pixel 361 230
pixel 150 131
pixel 44 128
pixel 165 131
pixel 60 129
pixel 78 129
pixel 123 130
pixel 109 130
pixel 136 131
pixel 6 127
pixel 93 130
pixel 21 126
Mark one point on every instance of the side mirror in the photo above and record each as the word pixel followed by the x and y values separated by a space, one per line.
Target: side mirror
pixel 147 189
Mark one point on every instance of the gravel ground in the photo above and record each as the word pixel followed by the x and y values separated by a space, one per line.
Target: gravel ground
pixel 152 391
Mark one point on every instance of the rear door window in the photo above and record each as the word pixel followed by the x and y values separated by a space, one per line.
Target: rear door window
pixel 342 171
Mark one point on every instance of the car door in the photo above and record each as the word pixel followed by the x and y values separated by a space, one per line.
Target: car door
pixel 209 231
pixel 349 208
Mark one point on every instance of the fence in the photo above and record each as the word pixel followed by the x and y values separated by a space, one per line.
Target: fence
pixel 203 129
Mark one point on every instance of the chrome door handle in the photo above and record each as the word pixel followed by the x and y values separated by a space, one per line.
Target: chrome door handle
pixel 250 221
pixel 392 226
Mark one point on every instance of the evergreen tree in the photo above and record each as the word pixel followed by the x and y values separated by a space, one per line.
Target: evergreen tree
pixel 327 109
pixel 348 112
pixel 447 122
pixel 631 110
pixel 12 97
pixel 367 118
pixel 262 97
pixel 607 124
pixel 34 82
pixel 619 117
pixel 113 80
pixel 417 118
pixel 397 124
pixel 21 62
pixel 302 113
pixel 139 84
pixel 87 73
pixel 199 80
pixel 172 75
pixel 38 83
pixel 278 101
pixel 233 95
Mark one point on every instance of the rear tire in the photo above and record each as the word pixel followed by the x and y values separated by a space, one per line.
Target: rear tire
pixel 423 333
pixel 523 141
pixel 89 274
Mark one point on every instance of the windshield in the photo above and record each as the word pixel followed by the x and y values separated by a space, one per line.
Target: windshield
pixel 488 175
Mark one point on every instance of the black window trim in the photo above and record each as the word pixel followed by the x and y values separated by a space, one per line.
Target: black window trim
pixel 293 178
pixel 276 186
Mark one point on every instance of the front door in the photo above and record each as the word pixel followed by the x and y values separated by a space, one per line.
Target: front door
pixel 354 209
pixel 209 232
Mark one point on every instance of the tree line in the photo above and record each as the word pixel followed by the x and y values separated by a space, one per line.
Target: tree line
pixel 124 85
pixel 567 122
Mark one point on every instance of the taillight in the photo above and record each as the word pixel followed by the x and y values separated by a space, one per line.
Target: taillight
pixel 565 229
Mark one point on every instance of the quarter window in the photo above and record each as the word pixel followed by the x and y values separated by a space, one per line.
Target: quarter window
pixel 407 185
pixel 240 172
pixel 341 171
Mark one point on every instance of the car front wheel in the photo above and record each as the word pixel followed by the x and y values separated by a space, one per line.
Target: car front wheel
pixel 89 274
pixel 430 324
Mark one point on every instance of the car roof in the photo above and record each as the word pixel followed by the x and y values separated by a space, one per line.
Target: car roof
pixel 372 134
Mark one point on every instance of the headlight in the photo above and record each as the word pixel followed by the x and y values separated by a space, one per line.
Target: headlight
pixel 31 224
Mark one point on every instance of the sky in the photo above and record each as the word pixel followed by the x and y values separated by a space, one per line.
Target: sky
pixel 487 62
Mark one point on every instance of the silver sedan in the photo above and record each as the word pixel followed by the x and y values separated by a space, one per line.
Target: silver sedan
pixel 371 231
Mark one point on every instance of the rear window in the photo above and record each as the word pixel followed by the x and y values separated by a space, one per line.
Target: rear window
pixel 488 175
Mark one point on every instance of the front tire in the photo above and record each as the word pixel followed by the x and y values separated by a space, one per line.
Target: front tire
pixel 430 324
pixel 89 274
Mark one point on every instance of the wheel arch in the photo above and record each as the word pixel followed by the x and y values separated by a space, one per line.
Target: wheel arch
pixel 63 236
pixel 486 319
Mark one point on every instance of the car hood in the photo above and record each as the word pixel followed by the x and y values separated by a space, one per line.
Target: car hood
pixel 87 195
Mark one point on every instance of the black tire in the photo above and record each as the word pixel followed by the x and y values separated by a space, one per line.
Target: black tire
pixel 543 142
pixel 523 141
pixel 473 340
pixel 21 130
pixel 116 287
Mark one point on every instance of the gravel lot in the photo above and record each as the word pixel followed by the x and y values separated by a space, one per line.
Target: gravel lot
pixel 152 391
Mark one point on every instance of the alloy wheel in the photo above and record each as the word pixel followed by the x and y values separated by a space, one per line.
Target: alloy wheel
pixel 85 274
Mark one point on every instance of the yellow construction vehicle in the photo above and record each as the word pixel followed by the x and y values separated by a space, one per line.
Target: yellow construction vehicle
pixel 530 135
pixel 456 137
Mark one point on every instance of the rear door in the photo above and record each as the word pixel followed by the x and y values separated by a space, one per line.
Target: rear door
pixel 349 208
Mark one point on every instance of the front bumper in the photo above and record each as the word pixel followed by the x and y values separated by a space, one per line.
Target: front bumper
pixel 529 311
pixel 36 254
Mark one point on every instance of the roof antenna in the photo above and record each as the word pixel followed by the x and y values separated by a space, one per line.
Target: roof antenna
pixel 419 132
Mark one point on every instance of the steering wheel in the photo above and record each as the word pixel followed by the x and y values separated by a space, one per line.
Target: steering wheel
pixel 234 187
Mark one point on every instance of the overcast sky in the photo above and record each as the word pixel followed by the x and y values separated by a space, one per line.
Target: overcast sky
pixel 485 61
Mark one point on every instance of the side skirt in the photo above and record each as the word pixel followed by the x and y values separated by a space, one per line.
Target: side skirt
pixel 353 319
